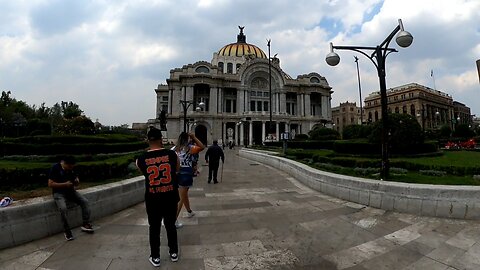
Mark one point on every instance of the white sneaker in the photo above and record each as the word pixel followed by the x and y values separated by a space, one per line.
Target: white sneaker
pixel 190 214
pixel 178 225
pixel 154 261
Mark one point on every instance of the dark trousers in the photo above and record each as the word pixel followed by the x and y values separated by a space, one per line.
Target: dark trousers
pixel 61 201
pixel 213 171
pixel 156 211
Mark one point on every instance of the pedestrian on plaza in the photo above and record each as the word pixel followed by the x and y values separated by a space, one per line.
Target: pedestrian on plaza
pixel 186 152
pixel 63 181
pixel 160 167
pixel 212 157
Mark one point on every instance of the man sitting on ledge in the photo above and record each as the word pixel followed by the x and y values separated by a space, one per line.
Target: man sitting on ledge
pixel 63 180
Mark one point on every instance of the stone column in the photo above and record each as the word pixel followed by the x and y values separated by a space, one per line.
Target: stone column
pixel 242 132
pixel 283 103
pixel 308 105
pixel 250 133
pixel 212 108
pixel 240 101
pixel 224 132
pixel 277 131
pixel 300 104
pixel 325 102
pixel 220 100
pixel 263 131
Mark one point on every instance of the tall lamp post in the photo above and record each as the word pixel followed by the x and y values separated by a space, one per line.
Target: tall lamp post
pixel 269 85
pixel 185 105
pixel 359 90
pixel 378 57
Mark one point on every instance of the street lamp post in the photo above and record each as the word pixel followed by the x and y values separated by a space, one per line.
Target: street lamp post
pixel 270 86
pixel 378 57
pixel 185 105
pixel 359 90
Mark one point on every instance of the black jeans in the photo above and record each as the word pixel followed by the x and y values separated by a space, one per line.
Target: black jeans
pixel 157 210
pixel 213 170
pixel 61 201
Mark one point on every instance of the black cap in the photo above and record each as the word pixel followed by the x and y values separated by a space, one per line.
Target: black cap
pixel 154 134
pixel 215 141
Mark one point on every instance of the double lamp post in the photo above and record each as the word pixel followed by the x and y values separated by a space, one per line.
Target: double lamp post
pixel 378 57
pixel 185 105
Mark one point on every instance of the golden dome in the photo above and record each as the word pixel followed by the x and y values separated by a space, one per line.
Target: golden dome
pixel 241 48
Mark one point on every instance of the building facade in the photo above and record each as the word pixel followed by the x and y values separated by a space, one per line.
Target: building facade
pixel 345 114
pixel 430 107
pixel 230 98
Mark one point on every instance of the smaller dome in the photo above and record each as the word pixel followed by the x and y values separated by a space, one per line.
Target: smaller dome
pixel 241 48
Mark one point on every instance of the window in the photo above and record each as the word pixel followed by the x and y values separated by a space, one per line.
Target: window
pixel 165 107
pixel 314 80
pixel 165 98
pixel 397 110
pixel 228 105
pixel 412 110
pixel 351 109
pixel 351 120
pixel 376 116
pixel 238 66
pixel 265 106
pixel 229 68
pixel 259 106
pixel 253 93
pixel 404 109
pixel 202 69
pixel 266 94
pixel 220 66
pixel 252 106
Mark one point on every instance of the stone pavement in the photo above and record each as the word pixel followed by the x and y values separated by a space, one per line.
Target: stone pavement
pixel 259 218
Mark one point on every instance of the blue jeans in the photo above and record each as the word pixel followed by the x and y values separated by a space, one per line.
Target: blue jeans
pixel 61 201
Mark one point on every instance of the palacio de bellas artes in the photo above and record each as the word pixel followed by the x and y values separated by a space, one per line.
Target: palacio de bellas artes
pixel 233 98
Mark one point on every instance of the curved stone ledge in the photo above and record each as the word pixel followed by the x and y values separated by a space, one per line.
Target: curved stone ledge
pixel 461 202
pixel 32 219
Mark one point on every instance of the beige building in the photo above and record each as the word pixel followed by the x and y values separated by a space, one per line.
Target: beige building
pixel 234 88
pixel 344 115
pixel 432 108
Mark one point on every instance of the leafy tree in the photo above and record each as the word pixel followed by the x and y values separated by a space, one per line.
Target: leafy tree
pixel 463 131
pixel 323 133
pixel 356 132
pixel 445 131
pixel 70 110
pixel 404 132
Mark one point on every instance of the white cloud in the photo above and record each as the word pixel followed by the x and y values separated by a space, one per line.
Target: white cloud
pixel 107 56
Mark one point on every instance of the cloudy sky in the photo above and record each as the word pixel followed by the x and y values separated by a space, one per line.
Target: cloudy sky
pixel 109 56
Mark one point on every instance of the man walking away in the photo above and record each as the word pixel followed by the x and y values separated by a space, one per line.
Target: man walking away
pixel 212 157
pixel 160 167
pixel 63 181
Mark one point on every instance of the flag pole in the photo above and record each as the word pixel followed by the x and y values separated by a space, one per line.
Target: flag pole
pixel 433 77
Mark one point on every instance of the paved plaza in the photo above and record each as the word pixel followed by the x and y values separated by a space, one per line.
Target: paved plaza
pixel 260 218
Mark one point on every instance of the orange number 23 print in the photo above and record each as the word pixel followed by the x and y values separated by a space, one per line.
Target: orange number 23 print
pixel 154 176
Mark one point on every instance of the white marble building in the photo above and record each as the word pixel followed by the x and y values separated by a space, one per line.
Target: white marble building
pixel 235 89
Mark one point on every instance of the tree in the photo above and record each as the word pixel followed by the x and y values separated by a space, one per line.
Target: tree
pixel 356 132
pixel 70 110
pixel 463 131
pixel 404 133
pixel 323 133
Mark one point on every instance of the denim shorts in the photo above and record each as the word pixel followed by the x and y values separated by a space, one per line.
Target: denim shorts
pixel 185 180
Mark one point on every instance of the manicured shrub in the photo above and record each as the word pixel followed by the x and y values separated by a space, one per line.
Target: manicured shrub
pixel 322 133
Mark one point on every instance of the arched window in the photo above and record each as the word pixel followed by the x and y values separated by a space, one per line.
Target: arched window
pixel 314 80
pixel 202 69
pixel 370 117
pixel 412 110
pixel 404 109
pixel 238 66
pixel 229 68
pixel 220 66
pixel 397 110
pixel 376 116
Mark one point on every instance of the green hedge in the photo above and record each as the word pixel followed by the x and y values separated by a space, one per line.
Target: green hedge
pixel 362 147
pixel 304 144
pixel 9 148
pixel 75 139
pixel 36 174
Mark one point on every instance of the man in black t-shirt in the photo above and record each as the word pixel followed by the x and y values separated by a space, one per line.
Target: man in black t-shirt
pixel 160 167
pixel 63 180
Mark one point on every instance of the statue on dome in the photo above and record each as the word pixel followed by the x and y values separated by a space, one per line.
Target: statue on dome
pixel 241 29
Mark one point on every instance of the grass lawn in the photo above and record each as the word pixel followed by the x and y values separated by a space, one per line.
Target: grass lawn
pixel 449 158
pixel 469 159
